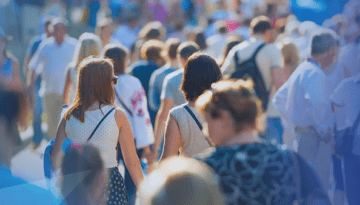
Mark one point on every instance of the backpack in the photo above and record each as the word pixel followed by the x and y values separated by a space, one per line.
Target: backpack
pixel 249 69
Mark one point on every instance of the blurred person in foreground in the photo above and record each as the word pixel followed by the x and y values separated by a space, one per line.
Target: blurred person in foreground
pixel 303 101
pixel 38 101
pixel 157 78
pixel 14 190
pixel 94 103
pixel 50 61
pixel 171 95
pixel 184 125
pixel 130 95
pixel 180 180
pixel 268 62
pixel 251 170
pixel 83 175
pixel 88 45
pixel 151 53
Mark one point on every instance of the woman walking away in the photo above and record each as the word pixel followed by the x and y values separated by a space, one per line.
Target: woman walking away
pixel 184 127
pixel 84 175
pixel 92 119
pixel 251 170
pixel 88 45
pixel 130 95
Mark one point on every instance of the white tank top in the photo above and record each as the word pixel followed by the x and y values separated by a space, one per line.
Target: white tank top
pixel 105 137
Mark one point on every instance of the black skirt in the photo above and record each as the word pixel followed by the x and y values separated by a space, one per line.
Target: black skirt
pixel 115 192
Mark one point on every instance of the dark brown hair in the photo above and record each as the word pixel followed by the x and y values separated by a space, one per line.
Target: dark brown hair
pixel 237 97
pixel 151 50
pixel 171 46
pixel 94 84
pixel 260 25
pixel 117 53
pixel 200 72
pixel 186 49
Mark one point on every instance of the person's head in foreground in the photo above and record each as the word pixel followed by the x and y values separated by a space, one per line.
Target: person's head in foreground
pixel 83 175
pixel 232 112
pixel 185 50
pixel 179 181
pixel 88 45
pixel 152 51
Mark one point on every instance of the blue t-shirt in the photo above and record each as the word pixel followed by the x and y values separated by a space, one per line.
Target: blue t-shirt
pixel 14 190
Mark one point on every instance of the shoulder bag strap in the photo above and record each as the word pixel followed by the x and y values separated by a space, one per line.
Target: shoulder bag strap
pixel 193 116
pixel 122 103
pixel 98 125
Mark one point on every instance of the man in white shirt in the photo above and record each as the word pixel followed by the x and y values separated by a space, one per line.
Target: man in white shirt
pixel 216 43
pixel 50 61
pixel 268 61
pixel 345 99
pixel 303 101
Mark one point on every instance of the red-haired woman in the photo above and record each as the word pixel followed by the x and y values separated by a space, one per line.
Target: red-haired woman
pixel 94 100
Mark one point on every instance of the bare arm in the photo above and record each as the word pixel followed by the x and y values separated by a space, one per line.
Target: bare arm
pixel 161 118
pixel 172 139
pixel 57 154
pixel 67 89
pixel 277 79
pixel 128 149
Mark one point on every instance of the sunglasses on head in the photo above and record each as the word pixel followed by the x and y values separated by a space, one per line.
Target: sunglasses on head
pixel 115 80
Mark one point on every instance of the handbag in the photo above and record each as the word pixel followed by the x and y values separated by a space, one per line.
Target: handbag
pixel 344 139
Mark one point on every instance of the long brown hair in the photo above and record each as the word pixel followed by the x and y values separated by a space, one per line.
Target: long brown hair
pixel 94 84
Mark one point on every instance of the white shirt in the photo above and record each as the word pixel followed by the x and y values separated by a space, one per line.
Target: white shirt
pixel 347 97
pixel 302 99
pixel 216 45
pixel 132 94
pixel 105 138
pixel 51 61
pixel 126 35
pixel 269 57
pixel 348 57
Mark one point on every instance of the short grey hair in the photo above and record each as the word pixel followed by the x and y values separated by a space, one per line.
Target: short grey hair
pixel 322 41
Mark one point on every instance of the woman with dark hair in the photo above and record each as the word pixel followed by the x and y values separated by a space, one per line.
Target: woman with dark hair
pixel 231 42
pixel 200 39
pixel 252 170
pixel 130 95
pixel 184 130
pixel 84 175
pixel 92 119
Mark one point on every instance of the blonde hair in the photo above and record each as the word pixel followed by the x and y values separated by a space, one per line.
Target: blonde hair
pixel 180 180
pixel 88 45
pixel 290 54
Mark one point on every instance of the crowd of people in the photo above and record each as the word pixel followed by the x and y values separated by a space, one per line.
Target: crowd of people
pixel 266 112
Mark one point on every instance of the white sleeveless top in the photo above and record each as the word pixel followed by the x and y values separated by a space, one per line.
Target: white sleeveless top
pixel 192 140
pixel 105 138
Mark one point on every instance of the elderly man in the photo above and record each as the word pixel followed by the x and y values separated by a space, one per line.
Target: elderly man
pixel 303 101
pixel 50 61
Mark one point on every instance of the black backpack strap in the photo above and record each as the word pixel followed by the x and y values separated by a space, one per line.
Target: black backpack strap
pixel 98 125
pixel 257 51
pixel 193 116
pixel 122 103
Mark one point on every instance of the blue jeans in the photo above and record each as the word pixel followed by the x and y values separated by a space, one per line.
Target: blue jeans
pixel 37 112
pixel 352 178
pixel 274 130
